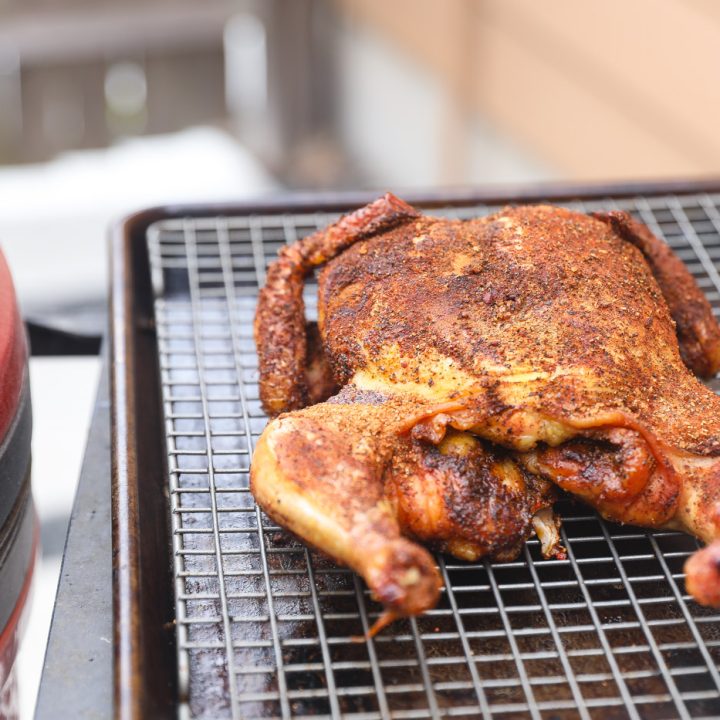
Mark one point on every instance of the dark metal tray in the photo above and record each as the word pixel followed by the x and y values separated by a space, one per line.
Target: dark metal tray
pixel 220 613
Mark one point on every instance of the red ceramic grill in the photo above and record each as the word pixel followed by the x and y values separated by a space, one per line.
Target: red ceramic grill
pixel 18 529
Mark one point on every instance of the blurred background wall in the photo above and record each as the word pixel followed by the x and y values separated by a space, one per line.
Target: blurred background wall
pixel 370 92
pixel 591 90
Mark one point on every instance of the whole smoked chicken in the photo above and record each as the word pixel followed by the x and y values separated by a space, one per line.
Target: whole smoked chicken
pixel 462 370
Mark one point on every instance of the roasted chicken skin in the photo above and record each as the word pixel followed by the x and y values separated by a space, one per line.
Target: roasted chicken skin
pixel 547 334
pixel 346 477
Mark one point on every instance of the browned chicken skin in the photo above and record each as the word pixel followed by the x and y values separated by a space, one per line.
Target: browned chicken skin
pixel 345 477
pixel 481 359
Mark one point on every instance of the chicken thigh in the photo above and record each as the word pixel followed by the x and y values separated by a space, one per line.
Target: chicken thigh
pixel 480 361
pixel 345 477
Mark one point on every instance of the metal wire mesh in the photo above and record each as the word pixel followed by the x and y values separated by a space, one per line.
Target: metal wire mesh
pixel 264 625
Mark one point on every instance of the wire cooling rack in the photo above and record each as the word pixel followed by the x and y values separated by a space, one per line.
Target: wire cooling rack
pixel 264 625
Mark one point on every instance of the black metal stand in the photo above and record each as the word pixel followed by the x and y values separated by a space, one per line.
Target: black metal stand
pixel 77 673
